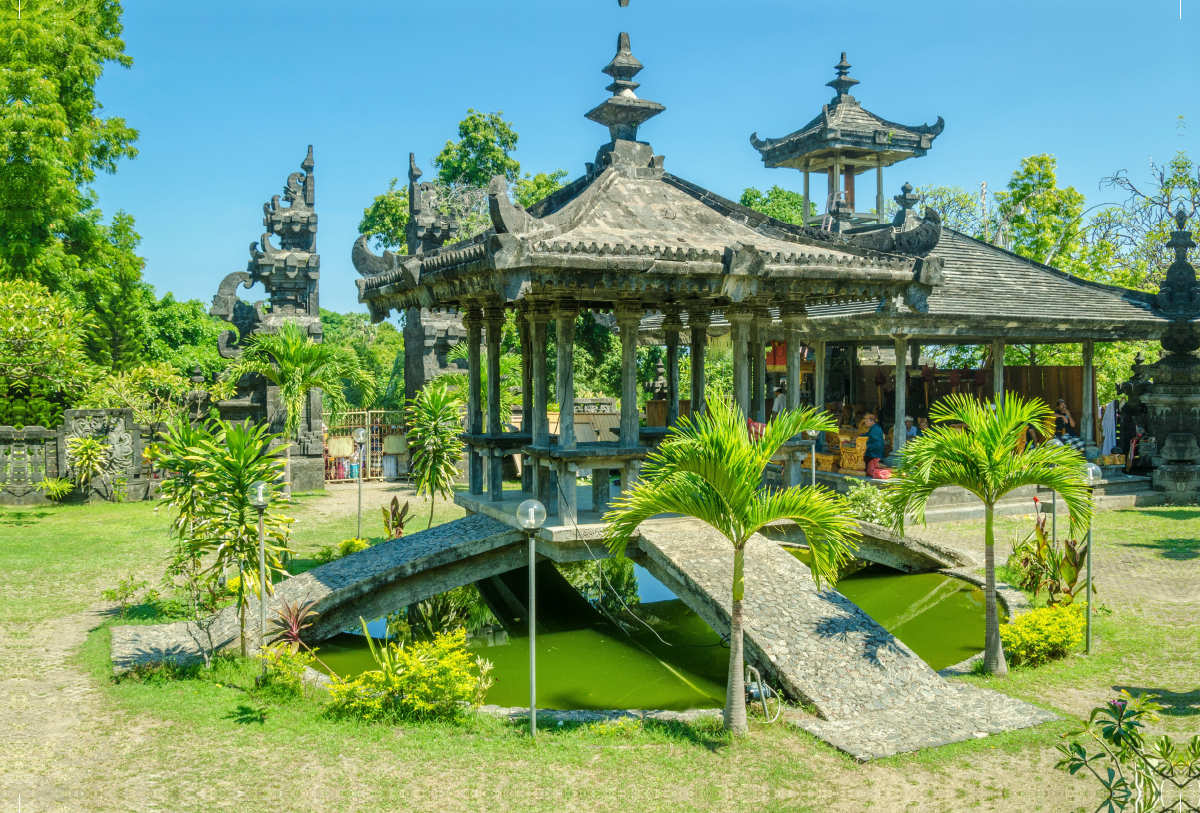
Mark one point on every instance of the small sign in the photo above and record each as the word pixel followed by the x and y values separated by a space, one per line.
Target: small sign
pixel 394 444
pixel 341 446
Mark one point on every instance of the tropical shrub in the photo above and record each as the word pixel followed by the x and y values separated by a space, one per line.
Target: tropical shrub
pixel 88 458
pixel 285 670
pixel 395 517
pixel 328 553
pixel 868 503
pixel 420 680
pixel 55 488
pixel 435 422
pixel 1037 563
pixel 124 592
pixel 1044 634
pixel 1137 776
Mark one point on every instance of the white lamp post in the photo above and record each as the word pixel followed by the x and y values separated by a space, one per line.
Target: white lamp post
pixel 360 437
pixel 259 497
pixel 1094 475
pixel 532 514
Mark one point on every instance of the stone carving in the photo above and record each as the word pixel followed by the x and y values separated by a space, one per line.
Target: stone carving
pixel 290 274
pixel 1179 293
pixel 27 456
pixel 107 427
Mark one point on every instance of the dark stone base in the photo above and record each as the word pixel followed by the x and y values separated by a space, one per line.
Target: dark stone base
pixel 308 474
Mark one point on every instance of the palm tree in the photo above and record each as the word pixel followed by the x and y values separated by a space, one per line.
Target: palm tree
pixel 434 424
pixel 982 459
pixel 708 468
pixel 295 363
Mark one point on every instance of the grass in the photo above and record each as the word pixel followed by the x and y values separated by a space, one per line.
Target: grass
pixel 209 742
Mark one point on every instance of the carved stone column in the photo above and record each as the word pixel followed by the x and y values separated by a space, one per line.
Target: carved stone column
pixel 523 331
pixel 672 324
pixel 629 315
pixel 1087 411
pixel 564 314
pixel 698 322
pixel 740 318
pixel 539 317
pixel 898 429
pixel 818 348
pixel 473 322
pixel 998 371
pixel 494 317
pixel 758 371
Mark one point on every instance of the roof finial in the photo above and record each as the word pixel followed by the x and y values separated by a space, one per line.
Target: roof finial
pixel 624 112
pixel 907 198
pixel 843 82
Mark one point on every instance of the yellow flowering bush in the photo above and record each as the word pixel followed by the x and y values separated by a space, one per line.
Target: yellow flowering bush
pixel 419 680
pixel 1044 634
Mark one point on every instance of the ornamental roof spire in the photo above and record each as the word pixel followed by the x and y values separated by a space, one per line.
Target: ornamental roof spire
pixel 623 112
pixel 843 82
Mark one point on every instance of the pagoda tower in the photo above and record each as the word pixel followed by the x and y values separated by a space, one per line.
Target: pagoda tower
pixel 845 141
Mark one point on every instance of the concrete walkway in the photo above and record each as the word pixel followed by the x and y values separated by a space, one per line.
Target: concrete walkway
pixel 873 696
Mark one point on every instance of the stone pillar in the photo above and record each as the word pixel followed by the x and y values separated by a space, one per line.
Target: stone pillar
pixel 762 319
pixel 629 315
pixel 494 319
pixel 1087 411
pixel 740 319
pixel 818 348
pixel 792 316
pixel 564 315
pixel 601 486
pixel 804 220
pixel 473 322
pixel 998 371
pixel 539 317
pixel 523 337
pixel 898 430
pixel 879 215
pixel 698 322
pixel 672 324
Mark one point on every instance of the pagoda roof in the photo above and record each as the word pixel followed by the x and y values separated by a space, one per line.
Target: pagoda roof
pixel 627 229
pixel 860 138
pixel 986 293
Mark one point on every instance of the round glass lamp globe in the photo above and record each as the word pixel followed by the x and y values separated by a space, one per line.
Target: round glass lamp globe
pixel 259 494
pixel 1054 442
pixel 360 435
pixel 1094 474
pixel 531 514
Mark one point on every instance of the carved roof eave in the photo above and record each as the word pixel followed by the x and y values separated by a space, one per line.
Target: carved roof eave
pixel 822 136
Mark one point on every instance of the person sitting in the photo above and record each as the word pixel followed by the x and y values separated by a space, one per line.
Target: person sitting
pixel 922 426
pixel 875 441
pixel 780 403
pixel 910 431
pixel 1064 424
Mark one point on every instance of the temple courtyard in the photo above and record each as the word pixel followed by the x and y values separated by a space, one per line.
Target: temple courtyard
pixel 81 739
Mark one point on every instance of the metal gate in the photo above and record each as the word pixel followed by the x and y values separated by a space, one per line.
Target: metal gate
pixel 386 453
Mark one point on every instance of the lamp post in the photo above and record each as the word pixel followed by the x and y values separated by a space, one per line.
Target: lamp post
pixel 360 437
pixel 532 514
pixel 1054 501
pixel 1094 475
pixel 259 496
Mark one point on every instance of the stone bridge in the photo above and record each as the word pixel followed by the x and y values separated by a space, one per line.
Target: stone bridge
pixel 872 695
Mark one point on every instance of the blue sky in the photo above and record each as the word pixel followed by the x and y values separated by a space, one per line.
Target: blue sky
pixel 227 96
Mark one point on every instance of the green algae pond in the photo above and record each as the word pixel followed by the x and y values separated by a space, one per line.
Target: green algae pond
pixel 661 655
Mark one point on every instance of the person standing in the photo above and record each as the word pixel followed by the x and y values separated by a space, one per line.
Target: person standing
pixel 780 403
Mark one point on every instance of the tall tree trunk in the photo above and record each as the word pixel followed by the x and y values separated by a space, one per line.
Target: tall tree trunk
pixel 431 499
pixel 735 689
pixel 993 650
pixel 242 606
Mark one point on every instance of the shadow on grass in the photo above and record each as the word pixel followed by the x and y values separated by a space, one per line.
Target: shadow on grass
pixel 245 714
pixel 1180 549
pixel 18 519
pixel 1181 514
pixel 1175 704
pixel 705 733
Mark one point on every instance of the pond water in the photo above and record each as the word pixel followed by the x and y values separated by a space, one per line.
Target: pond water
pixel 593 663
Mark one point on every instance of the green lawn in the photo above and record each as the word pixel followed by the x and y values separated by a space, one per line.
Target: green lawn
pixel 211 743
